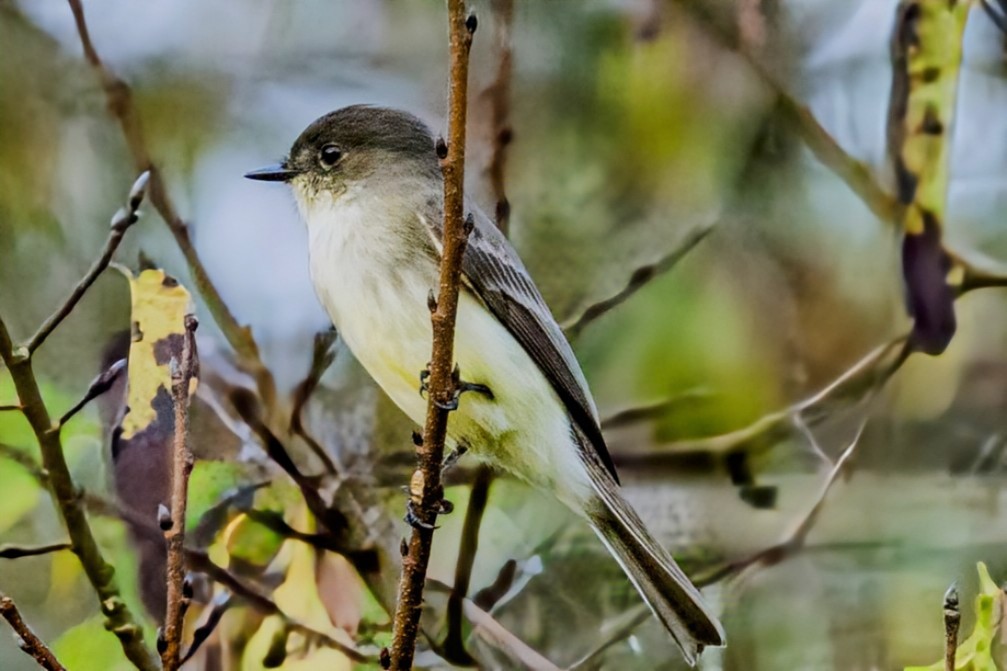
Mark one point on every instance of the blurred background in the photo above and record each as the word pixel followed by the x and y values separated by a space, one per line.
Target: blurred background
pixel 635 125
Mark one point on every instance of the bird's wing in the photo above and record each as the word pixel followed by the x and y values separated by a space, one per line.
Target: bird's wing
pixel 493 271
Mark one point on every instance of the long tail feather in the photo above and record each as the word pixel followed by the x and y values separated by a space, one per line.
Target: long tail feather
pixel 656 576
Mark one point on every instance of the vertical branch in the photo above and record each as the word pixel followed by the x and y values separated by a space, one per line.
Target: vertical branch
pixel 500 129
pixel 426 492
pixel 926 49
pixel 952 620
pixel 454 645
pixel 27 640
pixel 182 375
pixel 500 136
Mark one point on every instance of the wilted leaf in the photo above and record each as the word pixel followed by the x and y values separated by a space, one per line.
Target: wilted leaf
pixel 160 305
pixel 298 597
pixel 141 448
pixel 976 652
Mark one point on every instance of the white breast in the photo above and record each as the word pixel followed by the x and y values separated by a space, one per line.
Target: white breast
pixel 378 303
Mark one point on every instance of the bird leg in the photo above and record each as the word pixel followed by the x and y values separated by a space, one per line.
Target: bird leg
pixel 452 459
pixel 460 387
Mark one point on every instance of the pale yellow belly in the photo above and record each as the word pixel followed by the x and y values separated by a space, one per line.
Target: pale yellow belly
pixel 524 429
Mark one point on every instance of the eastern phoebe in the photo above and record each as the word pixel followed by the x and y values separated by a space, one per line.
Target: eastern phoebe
pixel 368 183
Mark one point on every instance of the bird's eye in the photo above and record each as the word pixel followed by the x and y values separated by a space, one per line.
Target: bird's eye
pixel 329 155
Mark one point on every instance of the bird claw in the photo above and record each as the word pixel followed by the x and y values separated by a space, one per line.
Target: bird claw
pixel 424 376
pixel 461 387
pixel 413 520
pixel 452 459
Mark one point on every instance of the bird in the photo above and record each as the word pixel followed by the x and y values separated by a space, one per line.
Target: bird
pixel 368 185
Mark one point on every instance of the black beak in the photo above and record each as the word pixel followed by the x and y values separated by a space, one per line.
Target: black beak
pixel 277 172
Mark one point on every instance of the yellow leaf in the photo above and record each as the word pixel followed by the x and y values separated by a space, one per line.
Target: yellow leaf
pixel 160 305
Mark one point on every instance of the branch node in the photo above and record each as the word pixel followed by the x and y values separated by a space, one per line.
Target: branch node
pixel 471 23
pixel 164 521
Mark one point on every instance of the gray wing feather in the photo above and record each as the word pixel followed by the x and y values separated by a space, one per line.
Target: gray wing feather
pixel 493 270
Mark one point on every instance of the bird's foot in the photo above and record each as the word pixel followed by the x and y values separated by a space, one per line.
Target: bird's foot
pixel 444 507
pixel 424 377
pixel 452 458
pixel 413 520
pixel 460 387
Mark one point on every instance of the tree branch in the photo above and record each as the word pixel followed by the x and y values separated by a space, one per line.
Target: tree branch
pixel 454 644
pixel 121 221
pixel 25 461
pixel 500 136
pixel 98 386
pixel 426 492
pixel 182 375
pixel 870 370
pixel 322 357
pixel 643 413
pixel 121 107
pixel 856 174
pixel 27 640
pixel 8 551
pixel 500 130
pixel 952 620
pixel 795 539
pixel 119 619
pixel 637 280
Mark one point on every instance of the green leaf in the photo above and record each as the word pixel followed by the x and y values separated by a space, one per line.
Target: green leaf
pixel 209 483
pixel 88 647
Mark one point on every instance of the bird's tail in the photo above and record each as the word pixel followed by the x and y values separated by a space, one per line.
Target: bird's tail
pixel 656 576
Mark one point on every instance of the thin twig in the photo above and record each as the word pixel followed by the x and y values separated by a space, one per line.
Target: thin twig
pixel 625 626
pixel 972 275
pixel 9 408
pixel 500 136
pixel 8 551
pixel 637 280
pixel 322 357
pixel 426 492
pixel 498 92
pixel 247 406
pixel 794 540
pixel 486 626
pixel 454 644
pixel 644 413
pixel 25 461
pixel 120 104
pixel 121 221
pixel 27 640
pixel 220 605
pixel 867 370
pixel 856 174
pixel 182 375
pixel 98 386
pixel 952 620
